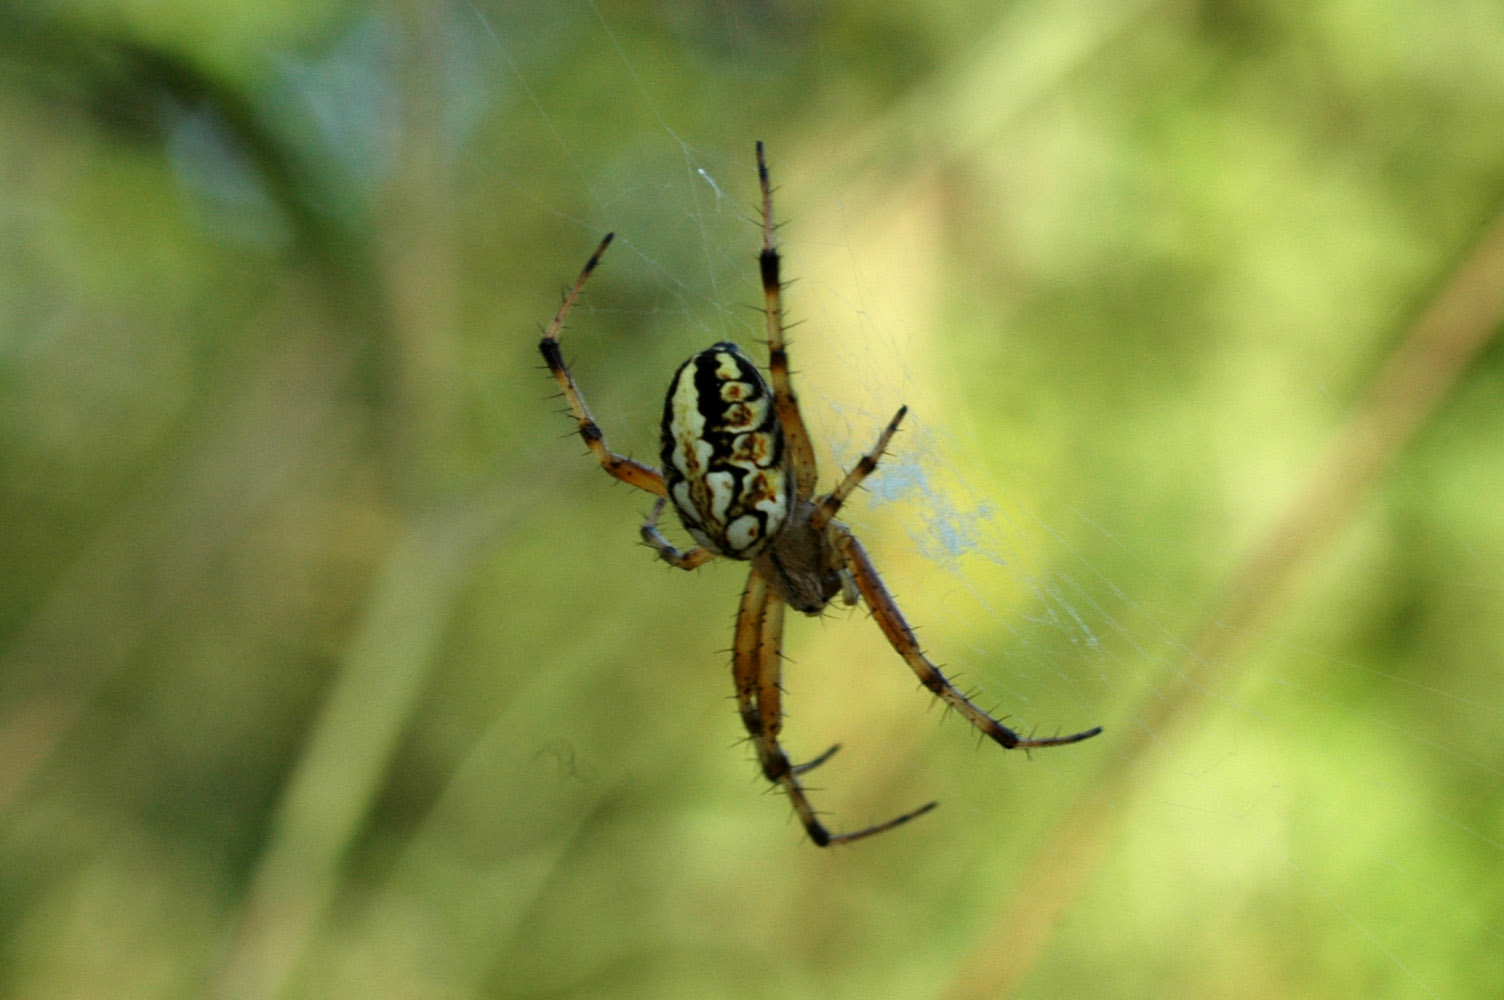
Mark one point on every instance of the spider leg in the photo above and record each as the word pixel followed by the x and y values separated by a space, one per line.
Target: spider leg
pixel 756 667
pixel 745 660
pixel 810 765
pixel 891 621
pixel 695 557
pixel 796 437
pixel 832 502
pixel 769 688
pixel 633 473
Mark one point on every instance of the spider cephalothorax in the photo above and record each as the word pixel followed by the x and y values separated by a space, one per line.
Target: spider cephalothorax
pixel 739 469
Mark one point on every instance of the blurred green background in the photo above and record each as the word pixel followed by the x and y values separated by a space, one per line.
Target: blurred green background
pixel 329 663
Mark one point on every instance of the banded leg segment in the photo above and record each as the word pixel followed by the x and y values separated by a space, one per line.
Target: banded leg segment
pixel 745 654
pixel 634 473
pixel 901 637
pixel 692 559
pixel 756 668
pixel 864 468
pixel 785 404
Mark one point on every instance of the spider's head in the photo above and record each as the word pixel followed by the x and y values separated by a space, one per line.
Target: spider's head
pixel 804 564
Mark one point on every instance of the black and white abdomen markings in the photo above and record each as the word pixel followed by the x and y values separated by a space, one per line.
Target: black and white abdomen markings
pixel 722 456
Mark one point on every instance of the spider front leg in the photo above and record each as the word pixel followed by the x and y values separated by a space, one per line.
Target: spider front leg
pixel 801 451
pixel 695 557
pixel 756 667
pixel 901 637
pixel 633 473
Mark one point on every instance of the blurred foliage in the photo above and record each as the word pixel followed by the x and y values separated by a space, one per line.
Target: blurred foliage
pixel 329 666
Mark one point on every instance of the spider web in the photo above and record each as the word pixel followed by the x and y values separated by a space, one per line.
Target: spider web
pixel 1077 626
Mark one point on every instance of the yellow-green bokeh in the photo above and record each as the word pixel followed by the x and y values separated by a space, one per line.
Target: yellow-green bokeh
pixel 329 663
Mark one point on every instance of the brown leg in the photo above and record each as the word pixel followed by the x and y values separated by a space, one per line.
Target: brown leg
pixel 756 667
pixel 785 404
pixel 692 559
pixel 636 474
pixel 862 470
pixel 891 621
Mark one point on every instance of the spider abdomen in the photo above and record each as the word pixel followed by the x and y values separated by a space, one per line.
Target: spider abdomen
pixel 722 455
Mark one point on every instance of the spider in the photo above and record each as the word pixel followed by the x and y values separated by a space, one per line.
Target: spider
pixel 739 468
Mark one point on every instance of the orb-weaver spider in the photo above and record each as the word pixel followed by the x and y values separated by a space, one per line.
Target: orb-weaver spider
pixel 740 470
